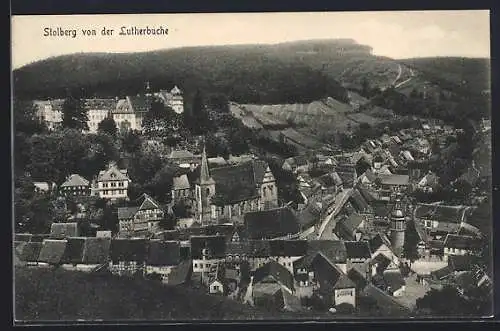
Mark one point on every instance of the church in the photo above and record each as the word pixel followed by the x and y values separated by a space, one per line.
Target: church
pixel 228 192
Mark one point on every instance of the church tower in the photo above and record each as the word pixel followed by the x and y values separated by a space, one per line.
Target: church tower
pixel 204 190
pixel 398 227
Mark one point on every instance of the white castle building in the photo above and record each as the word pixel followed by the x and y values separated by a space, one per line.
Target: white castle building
pixel 127 112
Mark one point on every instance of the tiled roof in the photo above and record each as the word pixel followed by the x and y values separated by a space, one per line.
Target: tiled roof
pixel 382 209
pixel 148 203
pixel 238 248
pixel 236 182
pixel 441 273
pixel 344 282
pixel 52 251
pixel 22 237
pixel 125 213
pixel 394 280
pixel 276 271
pixel 31 251
pixel 181 183
pixel 357 249
pixel 260 168
pixel 75 180
pixel 263 289
pixel 163 253
pixel 333 250
pixel 259 248
pixel 63 230
pixel 181 154
pixel 394 179
pixel 460 242
pixel 112 173
pixel 271 223
pixel 359 201
pixel 385 302
pixel 358 277
pixel 309 215
pixel 468 230
pixel 128 250
pixel 326 273
pixel 100 104
pixel 216 246
pixel 40 237
pixel 97 250
pixel 377 241
pixel 74 251
pixel 140 103
pixel 288 247
pixel 346 226
pixel 441 213
pixel 181 273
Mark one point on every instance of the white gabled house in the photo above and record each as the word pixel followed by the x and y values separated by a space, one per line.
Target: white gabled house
pixel 112 183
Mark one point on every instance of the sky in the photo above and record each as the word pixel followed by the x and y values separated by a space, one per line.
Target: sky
pixel 395 34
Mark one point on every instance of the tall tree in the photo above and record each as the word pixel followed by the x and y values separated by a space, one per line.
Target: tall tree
pixel 131 142
pixel 74 112
pixel 108 125
pixel 26 119
pixel 199 122
pixel 159 121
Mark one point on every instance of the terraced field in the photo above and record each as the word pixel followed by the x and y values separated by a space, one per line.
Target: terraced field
pixel 324 115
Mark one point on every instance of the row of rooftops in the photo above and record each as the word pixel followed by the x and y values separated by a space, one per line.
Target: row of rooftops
pixel 93 250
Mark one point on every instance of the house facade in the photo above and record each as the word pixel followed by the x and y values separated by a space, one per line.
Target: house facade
pixel 75 185
pixel 140 220
pixel 112 183
pixel 50 112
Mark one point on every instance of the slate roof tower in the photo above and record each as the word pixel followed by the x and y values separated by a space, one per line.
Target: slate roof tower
pixel 204 190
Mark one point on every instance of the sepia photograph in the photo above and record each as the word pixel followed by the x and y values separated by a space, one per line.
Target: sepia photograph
pixel 278 166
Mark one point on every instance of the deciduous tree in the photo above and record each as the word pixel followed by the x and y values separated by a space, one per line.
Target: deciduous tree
pixel 74 113
pixel 108 126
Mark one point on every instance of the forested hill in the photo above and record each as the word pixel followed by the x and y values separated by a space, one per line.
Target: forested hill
pixel 458 74
pixel 247 74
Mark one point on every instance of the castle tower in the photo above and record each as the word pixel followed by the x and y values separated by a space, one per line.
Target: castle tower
pixel 204 190
pixel 177 101
pixel 398 227
pixel 147 89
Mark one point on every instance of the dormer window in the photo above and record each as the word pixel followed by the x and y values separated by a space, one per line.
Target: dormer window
pixel 113 175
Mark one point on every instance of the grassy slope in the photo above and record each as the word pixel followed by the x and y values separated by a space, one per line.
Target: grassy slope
pixel 44 295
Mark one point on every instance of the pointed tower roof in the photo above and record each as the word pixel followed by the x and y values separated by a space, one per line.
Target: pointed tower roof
pixel 204 173
pixel 175 90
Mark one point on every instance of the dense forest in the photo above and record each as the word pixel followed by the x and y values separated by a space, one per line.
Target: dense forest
pixel 464 75
pixel 246 74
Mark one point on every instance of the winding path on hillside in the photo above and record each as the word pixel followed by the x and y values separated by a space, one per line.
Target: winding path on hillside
pixel 412 74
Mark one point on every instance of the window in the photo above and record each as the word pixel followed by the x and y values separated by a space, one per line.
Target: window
pixel 196 265
pixel 120 184
pixel 216 287
pixel 105 185
pixel 113 184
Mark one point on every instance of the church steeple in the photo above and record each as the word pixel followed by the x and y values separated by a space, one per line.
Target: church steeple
pixel 204 174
